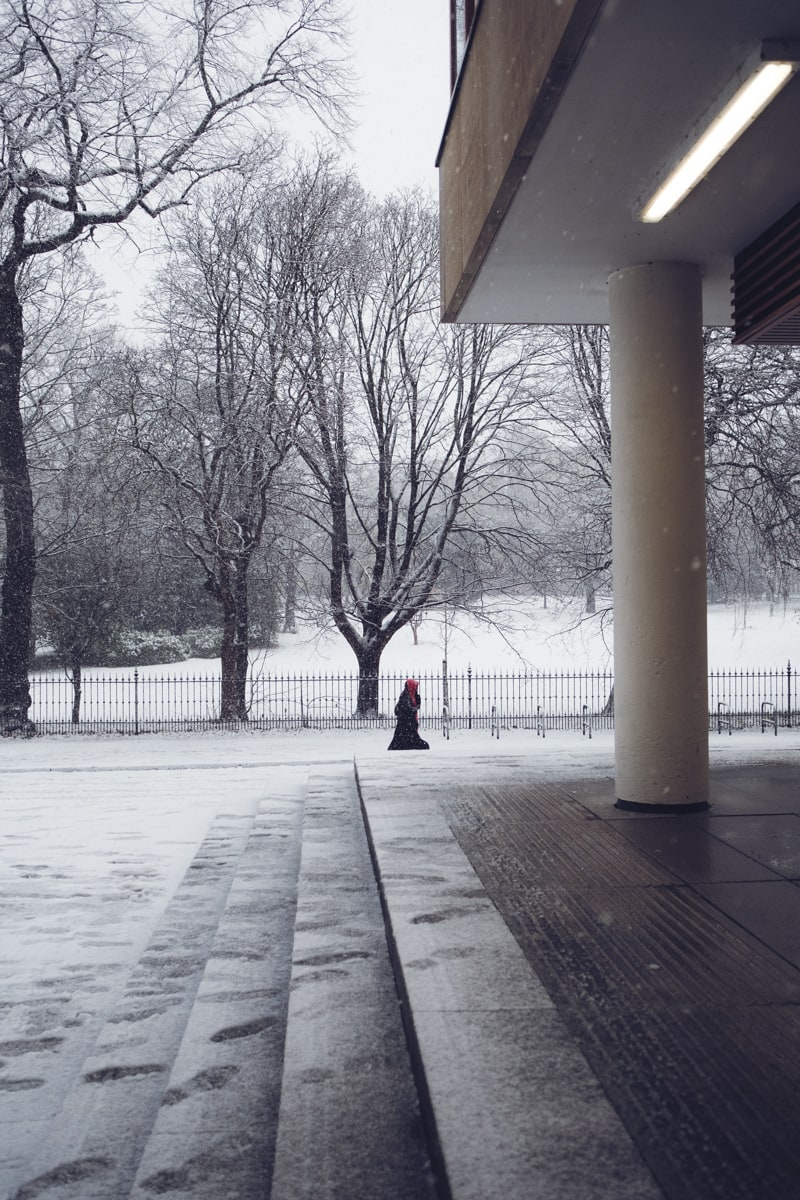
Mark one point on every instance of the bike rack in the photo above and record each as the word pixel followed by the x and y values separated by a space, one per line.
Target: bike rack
pixel 769 716
pixel 724 718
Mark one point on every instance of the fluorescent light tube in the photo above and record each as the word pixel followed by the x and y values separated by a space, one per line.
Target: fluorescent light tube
pixel 750 100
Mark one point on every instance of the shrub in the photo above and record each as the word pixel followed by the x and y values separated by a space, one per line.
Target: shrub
pixel 203 642
pixel 133 648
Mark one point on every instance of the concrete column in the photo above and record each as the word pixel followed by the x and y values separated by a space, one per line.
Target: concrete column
pixel 659 538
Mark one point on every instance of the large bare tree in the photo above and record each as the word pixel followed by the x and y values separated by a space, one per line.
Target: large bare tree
pixel 108 108
pixel 412 433
pixel 213 411
pixel 752 426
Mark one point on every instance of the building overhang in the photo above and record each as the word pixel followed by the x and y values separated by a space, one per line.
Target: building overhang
pixel 566 113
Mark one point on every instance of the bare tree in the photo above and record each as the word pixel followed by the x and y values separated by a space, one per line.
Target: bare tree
pixel 65 354
pixel 753 473
pixel 413 428
pixel 109 107
pixel 213 411
pixel 752 423
pixel 575 419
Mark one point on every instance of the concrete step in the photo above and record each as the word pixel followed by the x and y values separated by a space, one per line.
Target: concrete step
pixel 215 1131
pixel 349 1123
pixel 92 1147
pixel 514 1108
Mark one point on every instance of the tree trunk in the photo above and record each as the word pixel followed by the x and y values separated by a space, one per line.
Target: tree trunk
pixel 369 661
pixel 20 565
pixel 227 703
pixel 608 707
pixel 75 679
pixel 242 647
pixel 235 647
pixel 290 598
pixel 591 599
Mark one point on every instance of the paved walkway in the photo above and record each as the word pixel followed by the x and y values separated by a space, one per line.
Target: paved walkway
pixel 669 948
pixel 464 982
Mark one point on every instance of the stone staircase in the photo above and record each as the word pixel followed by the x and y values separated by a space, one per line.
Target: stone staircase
pixel 257 1048
pixel 330 1008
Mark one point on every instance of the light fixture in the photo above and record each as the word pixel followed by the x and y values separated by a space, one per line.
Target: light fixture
pixel 748 94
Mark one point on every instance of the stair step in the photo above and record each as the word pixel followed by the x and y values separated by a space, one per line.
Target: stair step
pixel 215 1131
pixel 349 1122
pixel 92 1147
pixel 517 1109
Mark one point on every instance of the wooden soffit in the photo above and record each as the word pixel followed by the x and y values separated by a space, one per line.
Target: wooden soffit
pixel 519 58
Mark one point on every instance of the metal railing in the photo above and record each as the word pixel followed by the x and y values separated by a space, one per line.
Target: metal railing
pixel 144 701
pixel 754 699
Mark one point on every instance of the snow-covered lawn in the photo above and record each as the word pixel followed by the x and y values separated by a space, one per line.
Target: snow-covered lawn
pixel 532 660
pixel 525 637
pixel 530 637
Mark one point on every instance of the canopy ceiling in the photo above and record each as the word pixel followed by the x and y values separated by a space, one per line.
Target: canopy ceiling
pixel 646 74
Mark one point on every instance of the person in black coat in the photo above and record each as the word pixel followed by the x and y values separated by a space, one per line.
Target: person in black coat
pixel 406 734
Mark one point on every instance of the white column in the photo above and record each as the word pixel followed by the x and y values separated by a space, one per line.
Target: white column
pixel 659 539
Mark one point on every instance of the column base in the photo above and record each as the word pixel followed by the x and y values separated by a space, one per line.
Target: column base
pixel 637 806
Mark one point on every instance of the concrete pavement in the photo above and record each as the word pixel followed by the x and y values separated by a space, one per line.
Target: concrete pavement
pixel 453 980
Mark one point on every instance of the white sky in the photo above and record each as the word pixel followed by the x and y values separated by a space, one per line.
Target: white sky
pixel 400 57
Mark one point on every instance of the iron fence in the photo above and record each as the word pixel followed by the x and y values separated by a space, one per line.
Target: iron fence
pixel 746 699
pixel 143 701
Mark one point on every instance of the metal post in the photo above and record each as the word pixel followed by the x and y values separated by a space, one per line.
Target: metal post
pixel 469 697
pixel 136 702
pixel 789 695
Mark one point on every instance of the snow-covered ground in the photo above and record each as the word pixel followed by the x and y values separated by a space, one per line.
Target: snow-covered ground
pixel 529 636
pixel 97 832
pixel 523 637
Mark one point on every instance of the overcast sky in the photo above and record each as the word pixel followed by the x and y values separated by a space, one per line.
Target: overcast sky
pixel 400 57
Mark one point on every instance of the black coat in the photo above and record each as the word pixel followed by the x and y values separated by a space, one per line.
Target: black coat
pixel 406 733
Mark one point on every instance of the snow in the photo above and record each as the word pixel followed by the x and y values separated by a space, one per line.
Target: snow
pixel 98 832
pixel 527 636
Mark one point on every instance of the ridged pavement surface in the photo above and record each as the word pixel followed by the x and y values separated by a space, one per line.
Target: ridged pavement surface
pixel 691 1024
